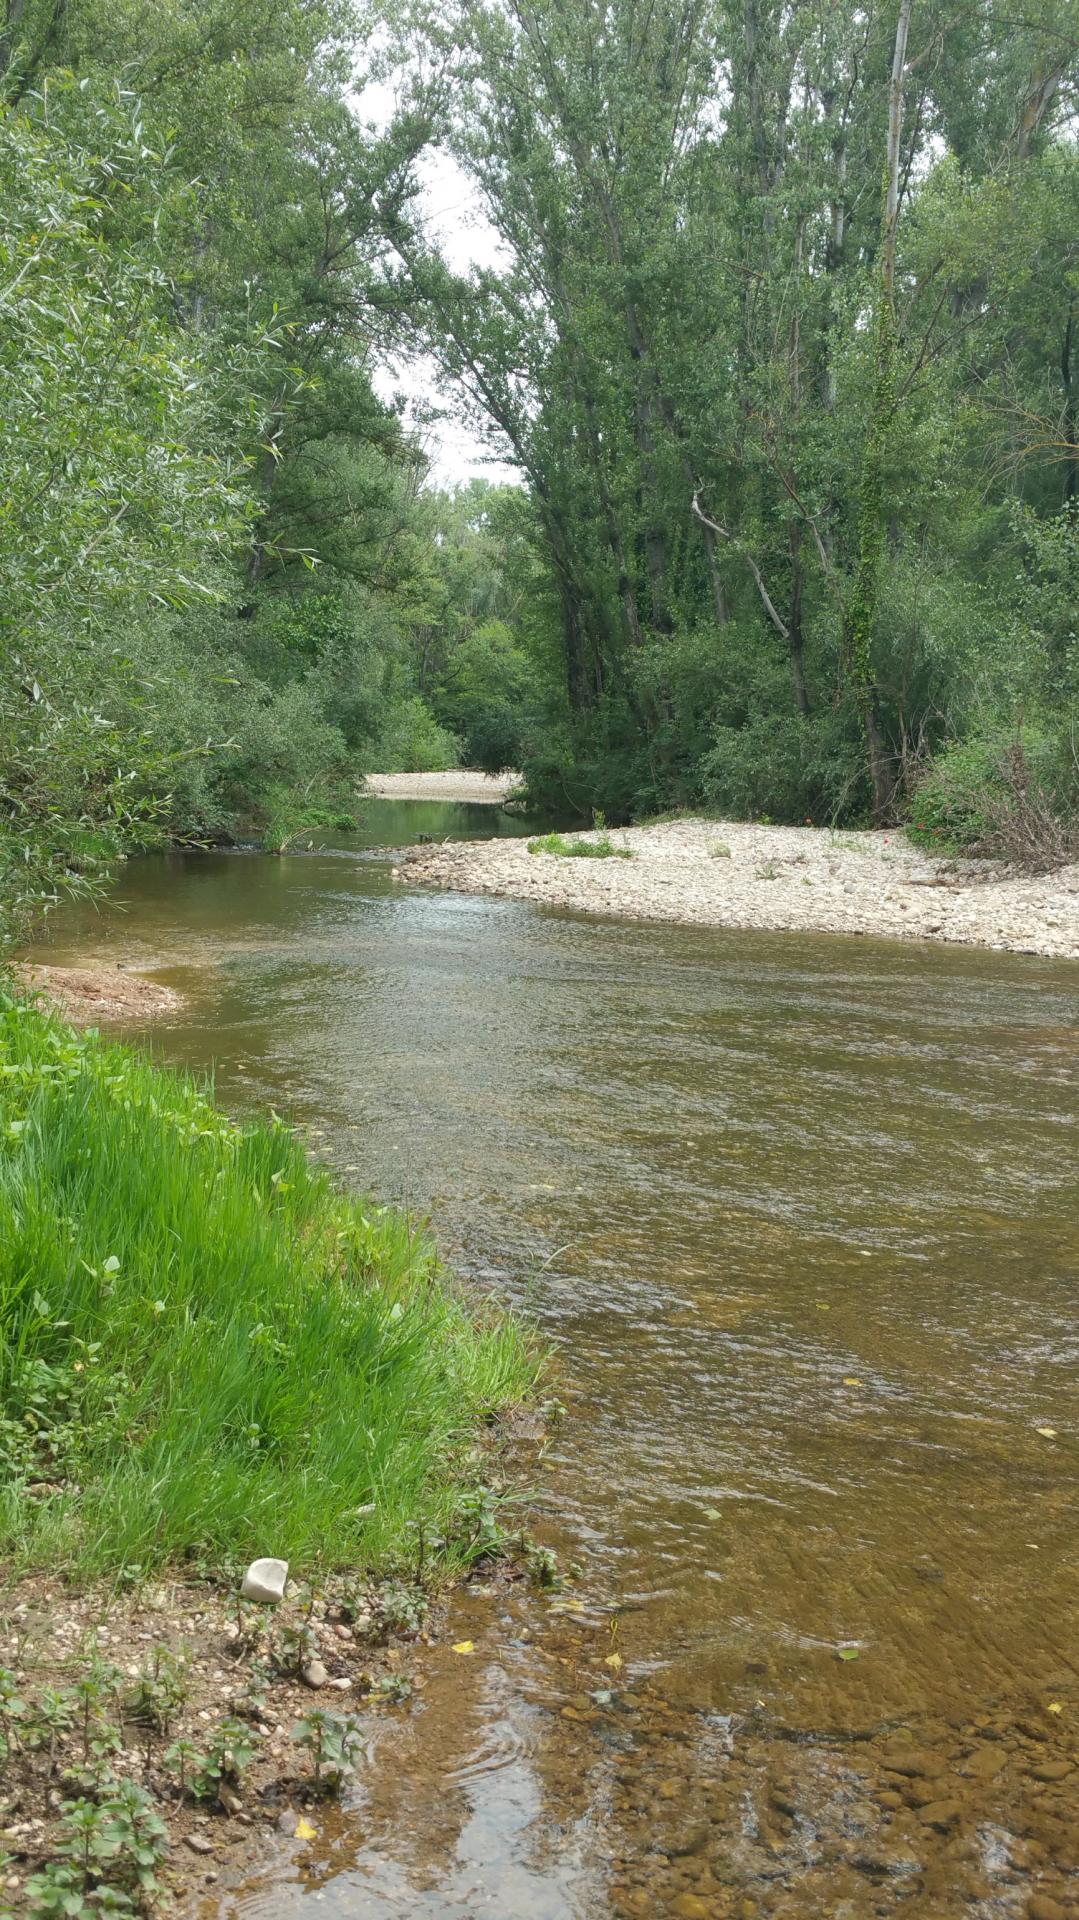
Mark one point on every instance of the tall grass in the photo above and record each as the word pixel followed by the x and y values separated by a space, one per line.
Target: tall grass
pixel 206 1351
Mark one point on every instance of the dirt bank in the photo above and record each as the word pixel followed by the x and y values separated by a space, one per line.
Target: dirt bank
pixel 731 874
pixel 476 789
pixel 89 994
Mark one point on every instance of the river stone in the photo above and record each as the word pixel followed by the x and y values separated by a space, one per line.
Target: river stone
pixel 265 1580
pixel 940 1814
pixel 1042 1907
pixel 1052 1770
pixel 986 1762
pixel 921 1793
pixel 315 1674
pixel 690 1906
pixel 915 1765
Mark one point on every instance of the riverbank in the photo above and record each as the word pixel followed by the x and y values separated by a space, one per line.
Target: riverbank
pixel 208 1355
pixel 461 784
pixel 85 995
pixel 793 879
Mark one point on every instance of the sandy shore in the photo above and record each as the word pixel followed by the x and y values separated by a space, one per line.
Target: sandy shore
pixel 477 789
pixel 731 874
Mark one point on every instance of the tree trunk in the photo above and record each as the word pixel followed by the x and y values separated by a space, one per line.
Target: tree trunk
pixel 795 631
pixel 862 607
pixel 1071 411
pixel 12 22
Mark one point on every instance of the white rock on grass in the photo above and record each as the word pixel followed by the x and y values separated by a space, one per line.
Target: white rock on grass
pixel 265 1580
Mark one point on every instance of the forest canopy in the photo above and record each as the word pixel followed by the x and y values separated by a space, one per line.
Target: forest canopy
pixel 779 336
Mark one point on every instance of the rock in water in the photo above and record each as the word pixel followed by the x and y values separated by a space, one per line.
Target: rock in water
pixel 265 1580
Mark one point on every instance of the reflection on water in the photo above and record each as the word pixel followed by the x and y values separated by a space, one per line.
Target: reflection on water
pixel 801 1216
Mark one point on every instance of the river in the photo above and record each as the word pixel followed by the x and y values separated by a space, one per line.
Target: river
pixel 799 1216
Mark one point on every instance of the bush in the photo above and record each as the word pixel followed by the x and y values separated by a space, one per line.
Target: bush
pixel 1004 796
pixel 788 768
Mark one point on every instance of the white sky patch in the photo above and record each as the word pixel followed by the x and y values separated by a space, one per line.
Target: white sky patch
pixel 456 222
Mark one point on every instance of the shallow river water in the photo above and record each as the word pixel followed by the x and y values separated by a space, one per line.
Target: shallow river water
pixel 800 1216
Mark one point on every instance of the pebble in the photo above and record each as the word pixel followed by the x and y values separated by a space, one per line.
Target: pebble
pixel 315 1674
pixel 1052 1770
pixel 690 1906
pixel 198 1843
pixel 1042 1907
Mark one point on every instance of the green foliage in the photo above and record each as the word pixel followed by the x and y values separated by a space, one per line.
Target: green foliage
pixel 563 849
pixel 224 1761
pixel 411 741
pixel 273 1355
pixel 333 1741
pixel 741 433
pixel 1010 796
pixel 109 1851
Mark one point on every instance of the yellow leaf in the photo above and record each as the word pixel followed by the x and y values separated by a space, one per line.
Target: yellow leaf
pixel 304 1830
pixel 613 1660
pixel 1047 1433
pixel 850 1381
pixel 464 1646
pixel 1055 1706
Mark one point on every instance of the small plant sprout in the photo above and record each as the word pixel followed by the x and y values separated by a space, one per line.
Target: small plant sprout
pixel 293 1647
pixel 185 1758
pixel 542 1565
pixel 333 1740
pixel 230 1752
pixel 52 1715
pixel 97 1683
pixel 159 1692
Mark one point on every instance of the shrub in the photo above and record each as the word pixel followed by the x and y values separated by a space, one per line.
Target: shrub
pixel 563 849
pixel 1011 797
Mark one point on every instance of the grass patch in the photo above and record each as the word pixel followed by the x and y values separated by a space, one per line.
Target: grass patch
pixel 206 1352
pixel 601 849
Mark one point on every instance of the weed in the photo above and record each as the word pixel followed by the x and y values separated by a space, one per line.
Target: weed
pixel 186 1759
pixel 400 1609
pixel 542 1565
pixel 292 1648
pixel 333 1741
pixel 225 1760
pixel 108 1852
pixel 601 849
pixel 159 1691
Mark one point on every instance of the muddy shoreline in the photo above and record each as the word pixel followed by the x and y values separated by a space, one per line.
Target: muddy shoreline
pixel 86 995
pixel 782 879
pixel 224 1658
